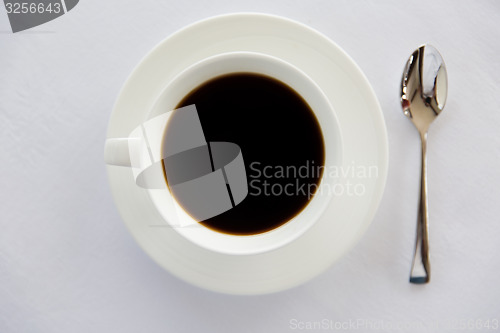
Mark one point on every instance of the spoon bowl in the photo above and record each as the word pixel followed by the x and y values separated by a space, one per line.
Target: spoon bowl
pixel 424 86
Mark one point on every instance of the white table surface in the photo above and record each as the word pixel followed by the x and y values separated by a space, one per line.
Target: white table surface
pixel 68 264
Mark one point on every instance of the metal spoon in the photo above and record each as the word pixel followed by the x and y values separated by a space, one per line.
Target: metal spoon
pixel 424 88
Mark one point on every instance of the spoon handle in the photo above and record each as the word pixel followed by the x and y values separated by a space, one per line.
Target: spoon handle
pixel 421 269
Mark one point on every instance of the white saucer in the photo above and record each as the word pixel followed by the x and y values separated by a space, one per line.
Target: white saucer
pixel 364 143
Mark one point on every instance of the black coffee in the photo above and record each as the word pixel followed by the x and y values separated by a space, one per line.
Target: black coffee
pixel 281 144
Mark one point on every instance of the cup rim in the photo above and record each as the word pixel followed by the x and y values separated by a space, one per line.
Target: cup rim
pixel 333 133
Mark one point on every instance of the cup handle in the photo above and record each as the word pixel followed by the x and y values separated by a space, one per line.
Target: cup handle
pixel 116 152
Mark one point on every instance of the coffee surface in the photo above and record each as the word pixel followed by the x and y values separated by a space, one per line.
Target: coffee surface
pixel 280 140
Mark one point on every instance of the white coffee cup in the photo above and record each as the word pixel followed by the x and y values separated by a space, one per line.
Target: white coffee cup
pixel 133 152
